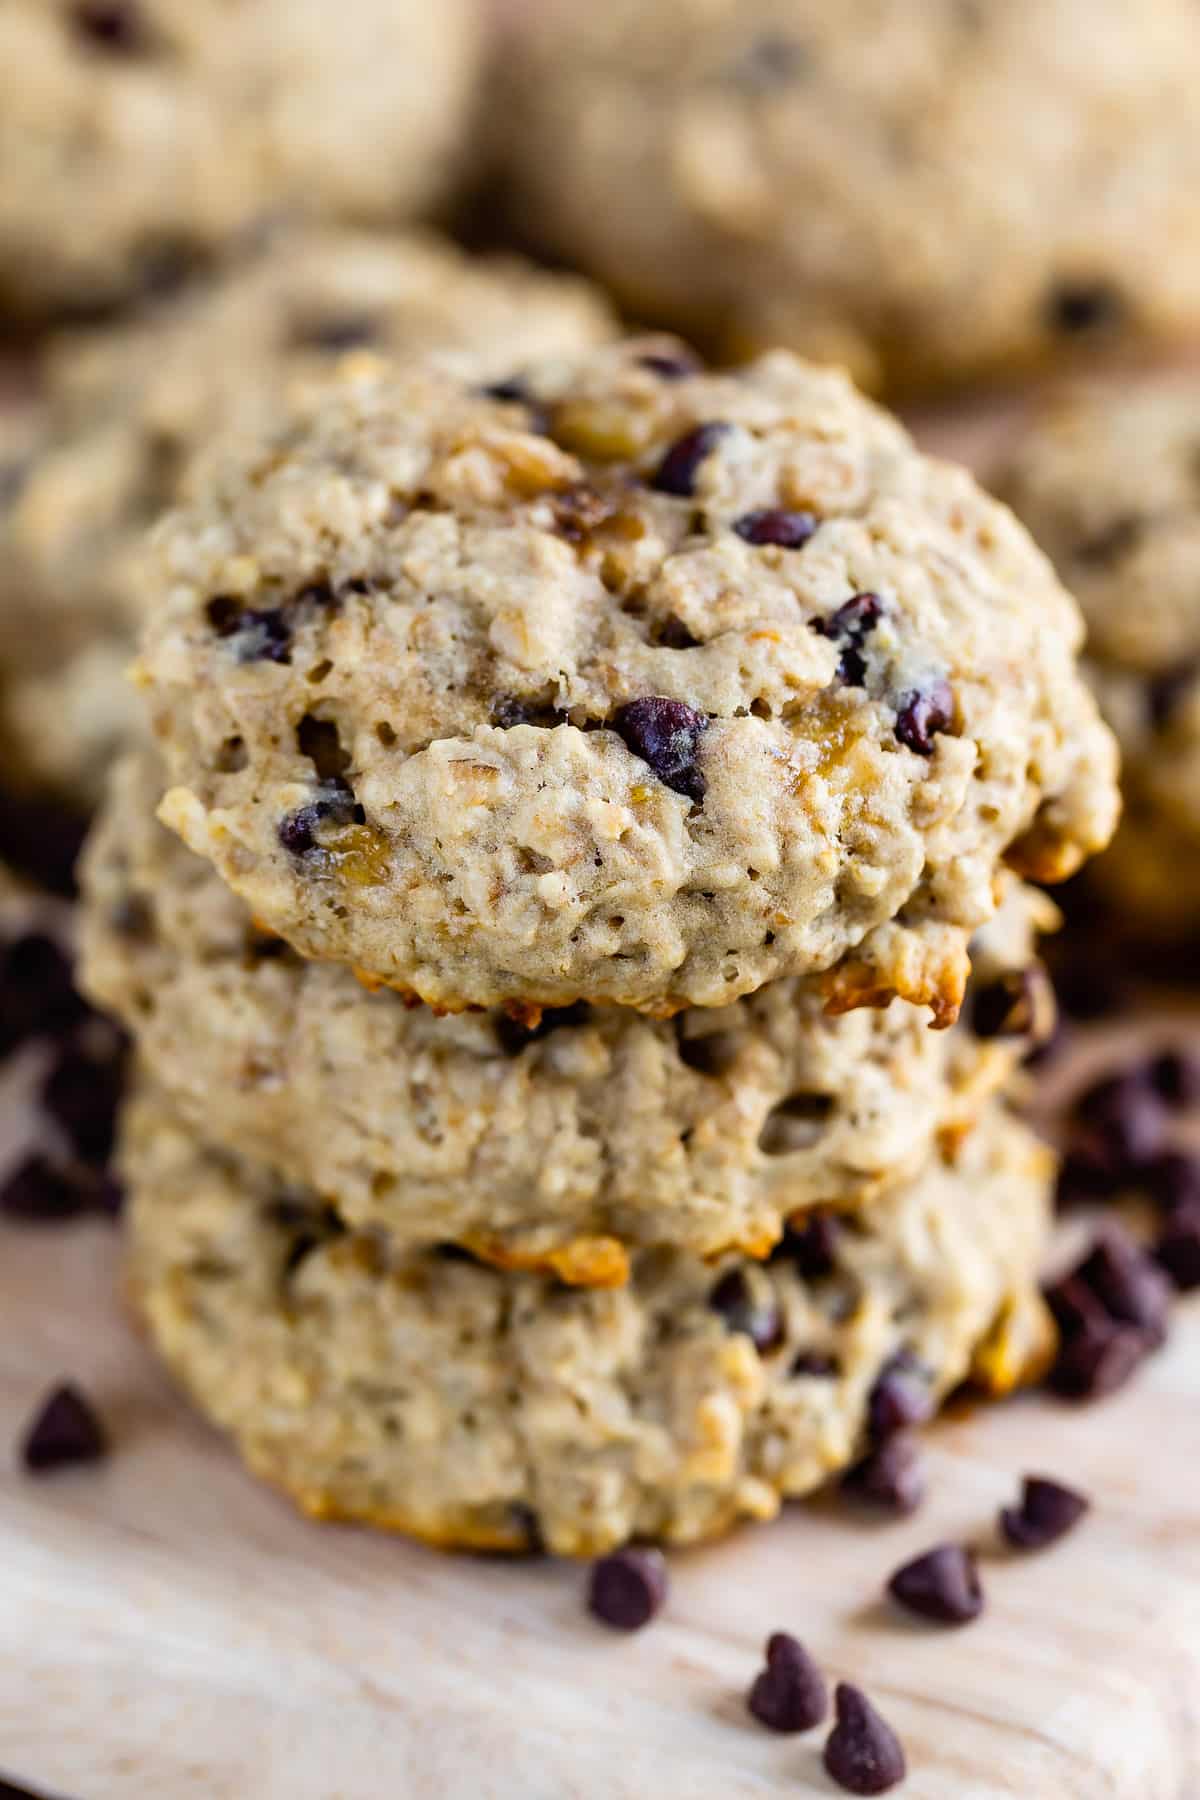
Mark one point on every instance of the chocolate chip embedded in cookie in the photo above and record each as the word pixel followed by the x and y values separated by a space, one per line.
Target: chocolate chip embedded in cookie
pixel 660 760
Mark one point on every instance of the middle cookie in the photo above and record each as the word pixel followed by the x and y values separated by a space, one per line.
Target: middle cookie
pixel 564 1147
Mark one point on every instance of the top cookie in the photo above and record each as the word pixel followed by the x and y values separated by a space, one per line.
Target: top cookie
pixel 138 137
pixel 621 681
pixel 924 193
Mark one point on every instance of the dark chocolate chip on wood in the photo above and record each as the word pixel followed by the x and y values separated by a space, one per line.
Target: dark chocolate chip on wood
pixel 1178 1247
pixel 39 1193
pixel 65 1429
pixel 676 473
pixel 899 1398
pixel 891 1477
pixel 1125 1113
pixel 1171 1179
pixel 1127 1283
pixel 1175 1077
pixel 666 734
pixel 1047 1511
pixel 863 1754
pixel 776 525
pixel 41 840
pixel 82 1094
pixel 789 1694
pixel 626 1589
pixel 1098 1360
pixel 1086 1174
pixel 922 714
pixel 747 1303
pixel 943 1586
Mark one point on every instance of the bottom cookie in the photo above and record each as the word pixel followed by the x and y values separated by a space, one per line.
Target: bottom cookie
pixel 430 1394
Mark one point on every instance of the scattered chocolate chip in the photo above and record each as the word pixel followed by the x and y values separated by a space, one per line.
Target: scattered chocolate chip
pixel 41 841
pixel 891 1477
pixel 65 1429
pixel 336 332
pixel 666 734
pixel 790 1693
pixel 1081 308
pixel 850 626
pixel 675 365
pixel 1018 1003
pixel 943 1585
pixel 38 1193
pixel 81 1093
pixel 1178 1247
pixel 776 525
pixel 336 806
pixel 38 997
pixel 1098 1360
pixel 749 1306
pixel 676 473
pixel 812 1244
pixel 1086 1174
pixel 863 1753
pixel 1128 1284
pixel 921 715
pixel 626 1589
pixel 108 1196
pixel 115 26
pixel 1125 1114
pixel 1074 1307
pixel 899 1398
pixel 1175 1077
pixel 1166 691
pixel 815 1364
pixel 1047 1512
pixel 513 1036
pixel 1171 1179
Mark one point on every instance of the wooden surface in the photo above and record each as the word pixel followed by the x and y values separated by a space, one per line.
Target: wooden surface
pixel 169 1629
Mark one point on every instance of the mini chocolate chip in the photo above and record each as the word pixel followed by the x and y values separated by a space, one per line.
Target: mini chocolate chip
pixel 850 626
pixel 336 806
pixel 943 1585
pixel 112 25
pixel 513 1036
pixel 38 997
pixel 1175 1076
pixel 319 594
pixel 863 1753
pixel 666 734
pixel 1048 1510
pixel 1128 1284
pixel 1178 1247
pixel 812 1245
pixel 108 1196
pixel 626 1589
pixel 1125 1114
pixel 65 1429
pixel 675 365
pixel 676 473
pixel 336 331
pixel 1098 1361
pixel 41 840
pixel 1166 691
pixel 776 525
pixel 223 613
pixel 1171 1179
pixel 891 1477
pixel 81 1094
pixel 38 1193
pixel 1017 1004
pixel 1074 1307
pixel 756 1314
pixel 790 1693
pixel 511 710
pixel 815 1364
pixel 1076 308
pixel 921 715
pixel 899 1398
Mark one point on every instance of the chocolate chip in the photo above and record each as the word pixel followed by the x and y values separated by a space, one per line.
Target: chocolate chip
pixel 115 26
pixel 850 626
pixel 676 473
pixel 39 1193
pixel 815 1364
pixel 1047 1512
pixel 1098 1361
pixel 1171 1179
pixel 511 709
pixel 513 1036
pixel 675 365
pixel 892 1477
pixel 899 1398
pixel 1017 1004
pixel 666 734
pixel 38 997
pixel 749 1306
pixel 813 1245
pixel 922 714
pixel 790 1693
pixel 1074 1307
pixel 41 840
pixel 1125 1114
pixel 81 1093
pixel 1128 1284
pixel 336 332
pixel 1166 692
pixel 1086 1174
pixel 65 1429
pixel 863 1753
pixel 943 1585
pixel 336 806
pixel 1178 1247
pixel 1080 308
pixel 626 1589
pixel 776 525
pixel 1175 1077
pixel 673 634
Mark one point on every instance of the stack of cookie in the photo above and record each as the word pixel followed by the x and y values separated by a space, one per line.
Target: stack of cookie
pixel 583 797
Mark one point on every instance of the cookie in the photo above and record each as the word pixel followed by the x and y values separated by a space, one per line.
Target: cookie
pixel 429 1394
pixel 926 195
pixel 141 139
pixel 126 411
pixel 600 1132
pixel 1108 479
pixel 621 682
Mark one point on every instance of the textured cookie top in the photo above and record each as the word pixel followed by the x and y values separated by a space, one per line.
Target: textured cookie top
pixel 925 193
pixel 623 682
pixel 569 1146
pixel 124 412
pixel 138 136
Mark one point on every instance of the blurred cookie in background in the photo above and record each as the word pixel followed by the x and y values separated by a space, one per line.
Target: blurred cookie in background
pixel 1108 480
pixel 928 195
pixel 126 410
pixel 141 138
